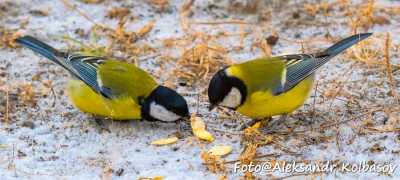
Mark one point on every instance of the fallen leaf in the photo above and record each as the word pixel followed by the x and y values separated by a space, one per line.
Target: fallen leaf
pixel 165 141
pixel 220 150
pixel 160 4
pixel 118 12
pixel 158 177
pixel 152 178
pixel 223 177
pixel 146 29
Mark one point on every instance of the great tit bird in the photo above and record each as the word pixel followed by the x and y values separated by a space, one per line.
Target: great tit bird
pixel 112 88
pixel 265 87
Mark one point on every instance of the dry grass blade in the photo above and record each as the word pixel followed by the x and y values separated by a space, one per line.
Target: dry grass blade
pixel 184 13
pixel 27 94
pixel 8 37
pixel 214 163
pixel 92 1
pixel 221 22
pixel 118 12
pixel 160 4
pixel 120 36
pixel 249 154
pixel 7 109
pixel 152 178
pixel 73 7
pixel 389 70
pixel 198 62
pixel 335 123
pixel 146 29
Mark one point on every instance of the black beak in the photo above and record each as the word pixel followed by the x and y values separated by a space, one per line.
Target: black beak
pixel 211 107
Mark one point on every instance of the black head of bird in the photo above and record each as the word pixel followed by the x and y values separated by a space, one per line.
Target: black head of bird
pixel 226 91
pixel 164 104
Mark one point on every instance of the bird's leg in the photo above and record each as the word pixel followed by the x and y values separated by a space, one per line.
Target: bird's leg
pixel 154 124
pixel 278 121
pixel 100 122
pixel 184 125
pixel 265 121
pixel 275 123
pixel 249 124
pixel 184 129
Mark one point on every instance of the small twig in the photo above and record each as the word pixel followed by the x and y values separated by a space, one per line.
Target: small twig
pixel 225 131
pixel 314 99
pixel 304 41
pixel 221 22
pixel 389 68
pixel 340 85
pixel 149 56
pixel 6 117
pixel 283 148
pixel 83 14
pixel 54 97
pixel 338 134
pixel 374 130
pixel 331 124
pixel 183 15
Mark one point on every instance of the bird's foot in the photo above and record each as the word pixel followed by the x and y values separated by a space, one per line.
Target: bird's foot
pixel 183 131
pixel 184 126
pixel 100 122
pixel 253 122
pixel 271 127
pixel 247 124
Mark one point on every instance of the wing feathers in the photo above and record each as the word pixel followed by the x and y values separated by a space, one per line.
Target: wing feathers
pixel 85 68
pixel 301 66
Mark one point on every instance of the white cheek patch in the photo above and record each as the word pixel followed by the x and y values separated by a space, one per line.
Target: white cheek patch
pixel 233 98
pixel 161 113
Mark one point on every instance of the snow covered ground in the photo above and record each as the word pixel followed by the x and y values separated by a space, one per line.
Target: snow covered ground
pixel 351 118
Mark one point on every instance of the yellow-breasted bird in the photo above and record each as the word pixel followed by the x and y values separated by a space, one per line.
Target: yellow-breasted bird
pixel 111 88
pixel 265 87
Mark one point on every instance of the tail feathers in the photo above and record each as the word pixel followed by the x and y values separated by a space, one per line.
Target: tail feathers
pixel 345 43
pixel 296 72
pixel 40 48
pixel 324 56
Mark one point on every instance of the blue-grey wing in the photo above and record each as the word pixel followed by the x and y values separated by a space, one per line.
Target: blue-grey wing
pixel 85 68
pixel 301 66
